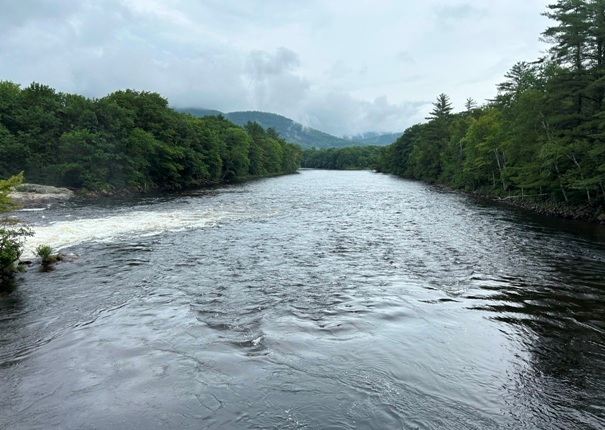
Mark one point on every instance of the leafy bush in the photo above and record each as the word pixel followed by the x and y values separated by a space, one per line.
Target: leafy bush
pixel 11 246
pixel 45 252
pixel 12 233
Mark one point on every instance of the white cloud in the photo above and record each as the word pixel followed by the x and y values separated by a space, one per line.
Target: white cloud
pixel 273 82
pixel 344 66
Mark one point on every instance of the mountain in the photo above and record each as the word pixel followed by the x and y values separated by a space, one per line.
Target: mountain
pixel 375 138
pixel 292 131
pixel 200 112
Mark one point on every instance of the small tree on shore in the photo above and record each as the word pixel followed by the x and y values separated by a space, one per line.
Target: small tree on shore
pixel 12 232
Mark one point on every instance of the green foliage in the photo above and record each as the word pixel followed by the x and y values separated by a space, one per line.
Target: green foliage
pixel 11 247
pixel 235 153
pixel 128 139
pixel 351 158
pixel 543 135
pixel 12 233
pixel 305 137
pixel 373 139
pixel 6 204
pixel 45 252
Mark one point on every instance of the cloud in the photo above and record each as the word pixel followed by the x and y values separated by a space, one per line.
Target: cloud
pixel 342 67
pixel 339 113
pixel 273 82
pixel 458 12
pixel 405 57
pixel 262 65
pixel 338 70
pixel 19 14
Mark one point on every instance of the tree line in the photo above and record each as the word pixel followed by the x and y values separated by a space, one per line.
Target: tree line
pixel 541 137
pixel 128 139
pixel 350 158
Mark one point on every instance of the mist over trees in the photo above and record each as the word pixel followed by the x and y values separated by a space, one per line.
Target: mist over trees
pixel 128 139
pixel 541 137
pixel 303 136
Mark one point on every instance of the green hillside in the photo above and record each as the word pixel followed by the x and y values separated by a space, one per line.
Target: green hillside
pixel 292 131
pixel 376 139
pixel 128 140
pixel 295 132
pixel 200 112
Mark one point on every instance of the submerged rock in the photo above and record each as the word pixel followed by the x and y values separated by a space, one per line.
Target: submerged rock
pixel 34 195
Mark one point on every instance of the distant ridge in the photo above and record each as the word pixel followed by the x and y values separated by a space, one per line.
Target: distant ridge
pixel 293 131
pixel 200 112
pixel 374 138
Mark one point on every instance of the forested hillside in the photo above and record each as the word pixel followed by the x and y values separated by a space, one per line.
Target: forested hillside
pixel 542 137
pixel 351 158
pixel 128 139
pixel 295 132
pixel 374 138
pixel 292 131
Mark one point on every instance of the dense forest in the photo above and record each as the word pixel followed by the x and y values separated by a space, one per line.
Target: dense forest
pixel 351 158
pixel 543 135
pixel 374 138
pixel 292 131
pixel 128 139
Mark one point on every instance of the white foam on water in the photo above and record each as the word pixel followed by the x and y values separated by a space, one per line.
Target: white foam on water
pixel 63 234
pixel 31 210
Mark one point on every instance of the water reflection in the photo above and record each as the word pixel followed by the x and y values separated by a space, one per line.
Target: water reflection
pixel 7 286
pixel 559 314
pixel 321 300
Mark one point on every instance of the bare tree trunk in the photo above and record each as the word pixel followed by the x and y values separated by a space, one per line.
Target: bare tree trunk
pixel 561 182
pixel 573 158
pixel 500 167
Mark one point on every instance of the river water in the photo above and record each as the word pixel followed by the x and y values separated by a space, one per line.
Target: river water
pixel 321 300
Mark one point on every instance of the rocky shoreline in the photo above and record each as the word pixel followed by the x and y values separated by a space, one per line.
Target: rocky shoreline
pixel 584 213
pixel 558 210
pixel 34 195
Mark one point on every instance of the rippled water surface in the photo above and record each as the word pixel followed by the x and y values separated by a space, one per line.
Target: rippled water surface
pixel 322 300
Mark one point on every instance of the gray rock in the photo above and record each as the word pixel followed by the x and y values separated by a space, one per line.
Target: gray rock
pixel 32 195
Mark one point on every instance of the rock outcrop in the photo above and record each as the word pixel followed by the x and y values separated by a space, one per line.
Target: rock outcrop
pixel 34 195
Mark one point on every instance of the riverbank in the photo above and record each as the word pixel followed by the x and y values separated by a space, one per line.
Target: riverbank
pixel 294 277
pixel 552 209
pixel 35 195
pixel 577 213
pixel 32 196
pixel 547 208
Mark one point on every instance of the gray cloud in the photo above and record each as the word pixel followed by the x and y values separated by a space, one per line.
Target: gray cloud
pixel 337 111
pixel 273 81
pixel 458 12
pixel 17 14
pixel 405 57
pixel 343 67
pixel 262 65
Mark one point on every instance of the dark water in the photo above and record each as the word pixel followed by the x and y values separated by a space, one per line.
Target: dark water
pixel 324 300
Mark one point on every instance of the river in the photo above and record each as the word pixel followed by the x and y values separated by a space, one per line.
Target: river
pixel 321 300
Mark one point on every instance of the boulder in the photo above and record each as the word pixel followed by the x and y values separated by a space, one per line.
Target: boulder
pixel 34 195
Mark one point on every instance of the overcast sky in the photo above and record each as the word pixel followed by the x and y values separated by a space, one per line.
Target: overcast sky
pixel 342 66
